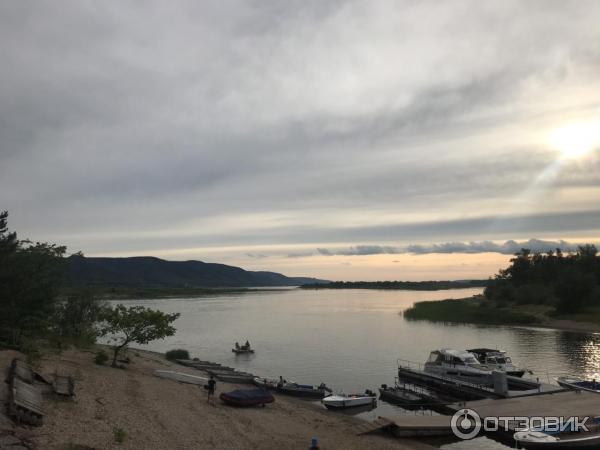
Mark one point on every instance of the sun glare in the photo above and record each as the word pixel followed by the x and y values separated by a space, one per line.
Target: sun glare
pixel 576 139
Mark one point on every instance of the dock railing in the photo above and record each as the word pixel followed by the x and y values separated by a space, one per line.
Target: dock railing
pixel 417 366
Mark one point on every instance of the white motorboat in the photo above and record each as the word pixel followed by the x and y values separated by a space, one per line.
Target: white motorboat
pixel 497 360
pixel 342 401
pixel 458 364
pixel 538 440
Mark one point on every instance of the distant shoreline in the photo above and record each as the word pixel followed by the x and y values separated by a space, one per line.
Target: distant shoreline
pixel 400 285
pixel 469 310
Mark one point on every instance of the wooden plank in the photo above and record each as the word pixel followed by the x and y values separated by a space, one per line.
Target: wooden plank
pixel 27 396
pixel 63 385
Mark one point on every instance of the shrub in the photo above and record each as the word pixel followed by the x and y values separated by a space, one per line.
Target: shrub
pixel 178 353
pixel 101 358
pixel 120 435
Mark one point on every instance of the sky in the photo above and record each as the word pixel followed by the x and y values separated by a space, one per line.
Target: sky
pixel 347 140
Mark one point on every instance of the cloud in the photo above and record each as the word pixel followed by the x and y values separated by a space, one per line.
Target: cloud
pixel 183 126
pixel 508 248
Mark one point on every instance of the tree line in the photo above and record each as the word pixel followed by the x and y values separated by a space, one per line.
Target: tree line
pixel 35 312
pixel 568 282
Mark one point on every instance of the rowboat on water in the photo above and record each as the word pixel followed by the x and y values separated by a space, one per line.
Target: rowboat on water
pixel 242 351
pixel 575 382
pixel 343 401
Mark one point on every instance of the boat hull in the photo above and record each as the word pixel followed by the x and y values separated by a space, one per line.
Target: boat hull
pixel 539 441
pixel 247 397
pixel 335 402
pixel 302 392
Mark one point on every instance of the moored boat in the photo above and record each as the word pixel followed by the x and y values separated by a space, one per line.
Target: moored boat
pixel 303 390
pixel 343 401
pixel 401 396
pixel 575 382
pixel 458 364
pixel 497 360
pixel 538 440
pixel 266 383
pixel 247 397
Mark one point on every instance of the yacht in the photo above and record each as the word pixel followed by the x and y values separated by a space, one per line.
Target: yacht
pixel 459 364
pixel 497 360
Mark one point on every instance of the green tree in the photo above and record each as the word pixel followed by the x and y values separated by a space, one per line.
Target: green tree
pixel 135 324
pixel 77 315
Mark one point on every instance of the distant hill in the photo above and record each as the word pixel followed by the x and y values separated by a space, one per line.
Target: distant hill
pixel 150 272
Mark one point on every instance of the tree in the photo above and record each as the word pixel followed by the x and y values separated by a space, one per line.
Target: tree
pixel 77 315
pixel 135 324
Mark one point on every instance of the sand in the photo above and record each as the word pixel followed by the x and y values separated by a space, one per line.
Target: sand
pixel 156 413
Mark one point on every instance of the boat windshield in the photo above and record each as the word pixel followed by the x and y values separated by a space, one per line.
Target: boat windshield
pixel 470 360
pixel 500 360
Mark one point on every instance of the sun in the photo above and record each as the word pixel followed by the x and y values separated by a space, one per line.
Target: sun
pixel 576 139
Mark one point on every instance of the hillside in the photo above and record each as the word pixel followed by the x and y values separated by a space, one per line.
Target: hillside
pixel 150 272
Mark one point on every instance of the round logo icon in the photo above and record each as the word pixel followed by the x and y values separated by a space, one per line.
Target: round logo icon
pixel 465 423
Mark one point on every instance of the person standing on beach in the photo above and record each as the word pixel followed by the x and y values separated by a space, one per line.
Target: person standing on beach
pixel 211 387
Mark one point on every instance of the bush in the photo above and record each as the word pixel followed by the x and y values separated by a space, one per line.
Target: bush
pixel 178 353
pixel 120 435
pixel 101 358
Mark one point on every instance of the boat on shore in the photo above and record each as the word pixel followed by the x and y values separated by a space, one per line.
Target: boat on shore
pixel 247 397
pixel 575 382
pixel 303 390
pixel 266 383
pixel 497 360
pixel 180 377
pixel 343 401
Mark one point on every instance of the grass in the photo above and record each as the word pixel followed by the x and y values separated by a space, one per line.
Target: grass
pixel 591 315
pixel 473 310
pixel 120 435
pixel 178 353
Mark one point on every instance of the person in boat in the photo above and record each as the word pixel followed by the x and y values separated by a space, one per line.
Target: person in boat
pixel 247 346
pixel 211 387
pixel 281 381
pixel 237 346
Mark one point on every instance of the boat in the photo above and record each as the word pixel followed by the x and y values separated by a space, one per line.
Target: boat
pixel 266 383
pixel 247 397
pixel 402 396
pixel 343 401
pixel 458 364
pixel 303 390
pixel 242 351
pixel 180 376
pixel 539 440
pixel 497 360
pixel 575 382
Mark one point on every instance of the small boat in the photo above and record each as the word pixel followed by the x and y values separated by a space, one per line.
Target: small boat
pixel 266 383
pixel 180 376
pixel 574 382
pixel 343 401
pixel 538 440
pixel 242 351
pixel 400 395
pixel 247 397
pixel 303 390
pixel 497 360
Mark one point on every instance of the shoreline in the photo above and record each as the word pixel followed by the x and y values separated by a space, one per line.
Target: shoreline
pixel 156 413
pixel 540 321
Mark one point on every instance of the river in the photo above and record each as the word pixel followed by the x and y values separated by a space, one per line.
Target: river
pixel 351 339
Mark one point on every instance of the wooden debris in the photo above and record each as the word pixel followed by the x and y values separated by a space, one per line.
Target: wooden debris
pixel 63 385
pixel 25 402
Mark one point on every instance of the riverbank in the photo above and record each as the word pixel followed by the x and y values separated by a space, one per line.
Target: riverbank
pixel 477 310
pixel 148 412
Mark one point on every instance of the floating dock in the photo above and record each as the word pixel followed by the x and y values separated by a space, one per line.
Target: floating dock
pixel 465 390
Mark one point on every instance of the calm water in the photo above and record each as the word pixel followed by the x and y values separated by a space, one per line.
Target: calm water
pixel 351 339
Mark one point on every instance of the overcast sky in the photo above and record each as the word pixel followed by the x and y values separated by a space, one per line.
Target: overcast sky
pixel 296 135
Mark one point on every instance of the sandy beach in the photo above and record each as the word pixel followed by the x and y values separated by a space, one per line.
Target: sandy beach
pixel 155 413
